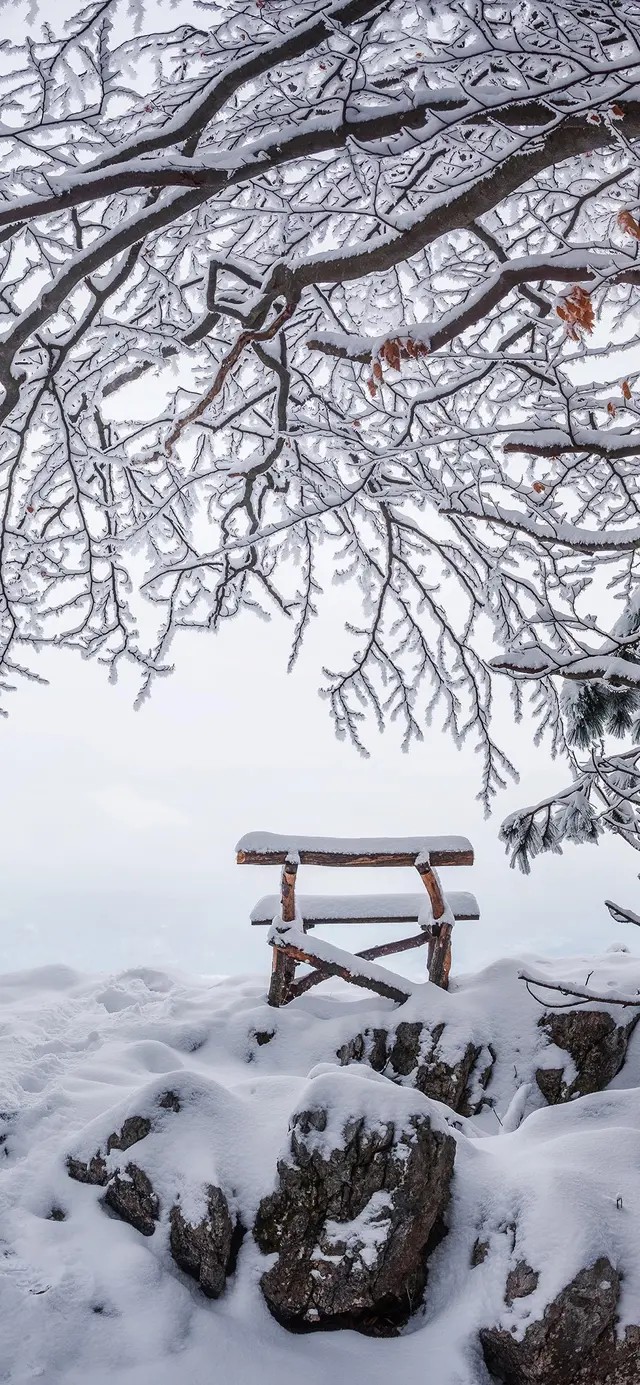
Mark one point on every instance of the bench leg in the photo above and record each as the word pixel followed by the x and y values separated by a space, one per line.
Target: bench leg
pixel 283 970
pixel 439 955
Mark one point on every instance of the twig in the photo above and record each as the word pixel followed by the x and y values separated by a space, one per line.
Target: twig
pixel 580 992
pixel 621 915
pixel 245 339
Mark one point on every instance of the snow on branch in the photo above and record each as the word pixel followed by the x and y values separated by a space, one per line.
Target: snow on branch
pixel 569 267
pixel 184 214
pixel 579 994
pixel 621 915
pixel 535 663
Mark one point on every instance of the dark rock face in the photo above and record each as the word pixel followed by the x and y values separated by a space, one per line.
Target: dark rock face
pixel 95 1171
pixel 575 1331
pixel 130 1195
pixel 597 1045
pixel 208 1250
pixel 521 1282
pixel 170 1101
pixel 412 1051
pixel 479 1252
pixel 613 1362
pixel 134 1129
pixel 353 1228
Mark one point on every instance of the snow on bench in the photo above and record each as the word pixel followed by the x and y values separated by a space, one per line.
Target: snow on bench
pixel 271 848
pixel 333 961
pixel 366 908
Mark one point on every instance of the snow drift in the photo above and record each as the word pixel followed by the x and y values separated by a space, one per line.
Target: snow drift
pixel 208 1085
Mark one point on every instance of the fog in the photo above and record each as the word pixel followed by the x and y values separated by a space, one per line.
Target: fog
pixel 119 827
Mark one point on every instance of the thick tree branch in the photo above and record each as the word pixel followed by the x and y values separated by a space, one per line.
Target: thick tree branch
pixel 454 213
pixel 613 443
pixel 534 663
pixel 565 269
pixel 559 535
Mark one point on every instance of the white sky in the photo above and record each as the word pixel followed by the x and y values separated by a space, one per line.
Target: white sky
pixel 119 827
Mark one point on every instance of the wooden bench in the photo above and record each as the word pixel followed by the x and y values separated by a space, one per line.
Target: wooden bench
pixel 291 919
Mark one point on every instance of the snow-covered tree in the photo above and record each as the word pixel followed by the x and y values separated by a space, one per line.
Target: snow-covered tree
pixel 293 292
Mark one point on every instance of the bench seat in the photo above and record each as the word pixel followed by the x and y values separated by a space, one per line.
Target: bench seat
pixel 366 908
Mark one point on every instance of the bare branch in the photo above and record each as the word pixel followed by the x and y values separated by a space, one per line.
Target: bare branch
pixel 582 994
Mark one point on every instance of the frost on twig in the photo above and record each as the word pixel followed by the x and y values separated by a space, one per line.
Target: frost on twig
pixel 307 298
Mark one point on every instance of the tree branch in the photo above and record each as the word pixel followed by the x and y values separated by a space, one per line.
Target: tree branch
pixel 511 275
pixel 582 993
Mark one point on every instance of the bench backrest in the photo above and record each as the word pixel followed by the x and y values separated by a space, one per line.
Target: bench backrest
pixel 270 849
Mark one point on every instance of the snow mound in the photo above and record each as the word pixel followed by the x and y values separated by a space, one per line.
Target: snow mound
pixel 86 1298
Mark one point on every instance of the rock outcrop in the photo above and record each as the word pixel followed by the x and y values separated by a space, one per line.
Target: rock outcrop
pixel 207 1250
pixel 574 1342
pixel 129 1193
pixel 413 1054
pixel 353 1220
pixel 597 1045
pixel 128 1190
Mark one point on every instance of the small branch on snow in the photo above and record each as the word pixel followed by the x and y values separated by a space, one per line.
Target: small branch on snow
pixel 581 993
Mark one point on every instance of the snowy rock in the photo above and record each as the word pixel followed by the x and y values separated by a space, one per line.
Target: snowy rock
pixel 574 1342
pixel 205 1248
pixel 521 1282
pixel 596 1044
pixel 359 1205
pixel 134 1128
pixel 128 1191
pixel 208 1250
pixel 130 1195
pixel 414 1054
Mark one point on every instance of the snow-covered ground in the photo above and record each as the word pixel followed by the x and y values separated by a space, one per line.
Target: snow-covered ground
pixel 87 1300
